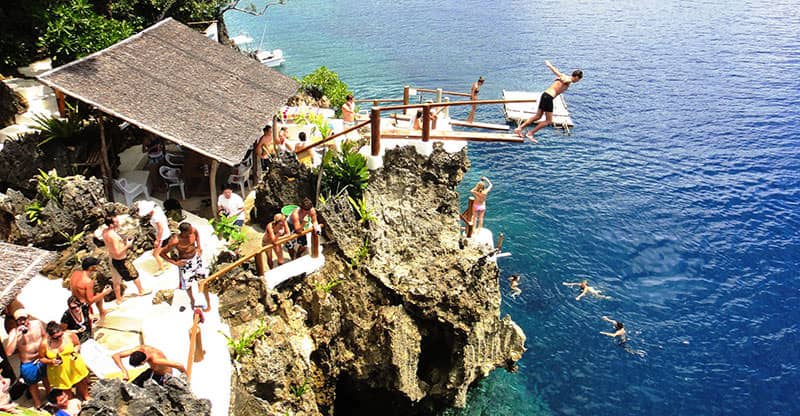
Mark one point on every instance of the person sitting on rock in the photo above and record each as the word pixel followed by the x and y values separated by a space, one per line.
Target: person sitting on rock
pixel 189 259
pixel 276 229
pixel 160 366
pixel 82 285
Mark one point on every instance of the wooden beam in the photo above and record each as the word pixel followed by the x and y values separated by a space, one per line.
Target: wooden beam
pixel 193 332
pixel 405 94
pixel 375 134
pixel 426 122
pixel 314 245
pixel 488 126
pixel 468 216
pixel 473 136
pixel 104 165
pixel 212 184
pixel 62 105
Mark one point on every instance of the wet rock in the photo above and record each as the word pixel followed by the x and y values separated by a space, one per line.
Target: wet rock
pixel 12 104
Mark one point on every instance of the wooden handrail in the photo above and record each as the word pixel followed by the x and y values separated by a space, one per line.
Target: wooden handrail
pixel 455 103
pixel 326 140
pixel 192 345
pixel 459 94
pixel 203 284
pixel 381 100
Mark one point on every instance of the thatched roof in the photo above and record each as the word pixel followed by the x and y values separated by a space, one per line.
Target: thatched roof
pixel 18 264
pixel 180 85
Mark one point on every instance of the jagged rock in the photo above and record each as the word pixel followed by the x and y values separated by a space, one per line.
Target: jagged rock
pixel 12 104
pixel 113 397
pixel 286 182
pixel 164 295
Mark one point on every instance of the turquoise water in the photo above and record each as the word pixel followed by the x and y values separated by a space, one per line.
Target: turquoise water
pixel 678 192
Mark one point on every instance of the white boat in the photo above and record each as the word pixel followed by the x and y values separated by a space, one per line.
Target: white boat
pixel 270 58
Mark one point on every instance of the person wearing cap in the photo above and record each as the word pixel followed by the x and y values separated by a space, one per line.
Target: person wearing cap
pixel 231 204
pixel 81 285
pixel 26 339
pixel 148 209
pixel 473 95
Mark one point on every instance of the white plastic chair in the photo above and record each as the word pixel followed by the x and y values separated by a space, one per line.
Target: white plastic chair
pixel 241 177
pixel 130 190
pixel 172 176
pixel 174 159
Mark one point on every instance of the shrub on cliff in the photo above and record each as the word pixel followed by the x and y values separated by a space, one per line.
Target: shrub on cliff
pixel 325 82
pixel 345 171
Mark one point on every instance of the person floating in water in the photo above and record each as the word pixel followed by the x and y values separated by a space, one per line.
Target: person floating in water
pixel 586 290
pixel 558 86
pixel 513 283
pixel 619 330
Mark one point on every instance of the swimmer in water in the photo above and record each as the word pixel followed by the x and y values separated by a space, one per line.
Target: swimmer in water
pixel 513 282
pixel 586 290
pixel 619 330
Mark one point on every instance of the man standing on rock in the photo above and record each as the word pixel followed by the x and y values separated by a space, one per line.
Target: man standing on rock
pixel 118 253
pixel 189 261
pixel 159 222
pixel 25 339
pixel 82 285
pixel 160 366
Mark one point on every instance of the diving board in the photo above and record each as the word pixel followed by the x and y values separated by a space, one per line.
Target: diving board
pixel 519 112
pixel 302 265
pixel 398 133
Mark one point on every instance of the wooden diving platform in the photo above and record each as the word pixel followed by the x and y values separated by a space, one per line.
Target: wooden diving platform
pixel 519 112
pixel 479 125
pixel 400 133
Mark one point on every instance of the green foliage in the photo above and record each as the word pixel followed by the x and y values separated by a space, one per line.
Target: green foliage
pixel 329 285
pixel 319 122
pixel 49 186
pixel 325 82
pixel 74 30
pixel 243 346
pixel 70 239
pixel 34 212
pixel 361 255
pixel 225 229
pixel 299 390
pixel 365 214
pixel 54 128
pixel 345 170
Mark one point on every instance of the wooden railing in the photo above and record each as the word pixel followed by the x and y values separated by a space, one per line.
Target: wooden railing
pixel 260 269
pixel 192 345
pixel 340 134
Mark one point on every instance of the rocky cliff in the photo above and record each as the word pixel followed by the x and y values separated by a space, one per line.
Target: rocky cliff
pixel 400 320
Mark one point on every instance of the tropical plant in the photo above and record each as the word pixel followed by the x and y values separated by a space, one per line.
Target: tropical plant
pixel 319 122
pixel 361 255
pixel 226 229
pixel 243 345
pixel 34 212
pixel 365 214
pixel 70 239
pixel 49 186
pixel 345 170
pixel 73 30
pixel 329 285
pixel 54 128
pixel 325 82
pixel 298 390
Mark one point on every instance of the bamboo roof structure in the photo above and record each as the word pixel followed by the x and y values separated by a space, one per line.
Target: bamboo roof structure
pixel 178 84
pixel 19 265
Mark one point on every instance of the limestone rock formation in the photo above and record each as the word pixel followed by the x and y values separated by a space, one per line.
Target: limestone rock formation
pixel 11 105
pixel 174 398
pixel 400 320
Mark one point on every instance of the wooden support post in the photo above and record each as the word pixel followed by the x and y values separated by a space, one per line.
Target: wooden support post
pixel 405 94
pixel 468 216
pixel 314 245
pixel 257 162
pixel 447 109
pixel 260 269
pixel 104 165
pixel 375 126
pixel 62 105
pixel 376 102
pixel 426 122
pixel 212 184
pixel 500 242
pixel 275 133
pixel 438 95
pixel 192 346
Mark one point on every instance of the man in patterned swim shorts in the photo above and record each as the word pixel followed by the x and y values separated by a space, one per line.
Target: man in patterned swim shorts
pixel 189 259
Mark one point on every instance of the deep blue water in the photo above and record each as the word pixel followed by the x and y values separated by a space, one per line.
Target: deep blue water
pixel 678 192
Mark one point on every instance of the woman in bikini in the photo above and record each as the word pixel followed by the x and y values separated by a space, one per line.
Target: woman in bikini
pixel 480 191
pixel 275 230
pixel 473 95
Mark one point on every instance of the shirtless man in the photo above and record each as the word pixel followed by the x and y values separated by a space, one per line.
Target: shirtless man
pixel 586 290
pixel 82 285
pixel 299 218
pixel 473 95
pixel 118 252
pixel 619 330
pixel 283 135
pixel 189 259
pixel 157 218
pixel 349 111
pixel 25 339
pixel 558 86
pixel 275 230
pixel 264 146
pixel 160 366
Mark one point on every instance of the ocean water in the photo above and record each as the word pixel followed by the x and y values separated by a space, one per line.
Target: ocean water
pixel 678 193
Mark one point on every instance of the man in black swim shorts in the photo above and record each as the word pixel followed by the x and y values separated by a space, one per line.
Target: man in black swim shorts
pixel 558 86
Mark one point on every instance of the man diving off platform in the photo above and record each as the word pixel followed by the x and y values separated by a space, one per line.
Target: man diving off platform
pixel 558 86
